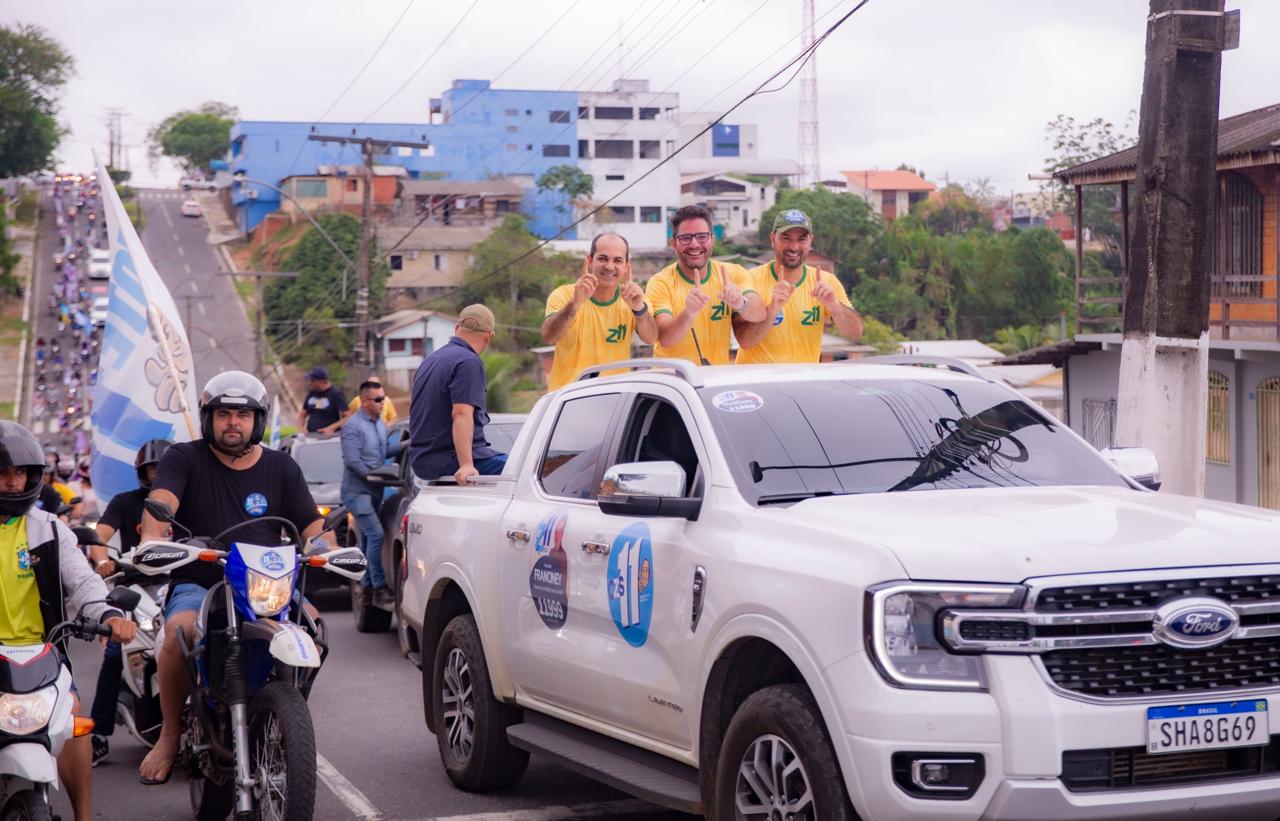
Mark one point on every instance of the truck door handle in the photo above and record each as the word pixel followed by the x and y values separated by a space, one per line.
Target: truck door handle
pixel 599 548
pixel 518 536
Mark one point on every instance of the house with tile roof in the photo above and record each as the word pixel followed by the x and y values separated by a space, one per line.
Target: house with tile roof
pixel 889 193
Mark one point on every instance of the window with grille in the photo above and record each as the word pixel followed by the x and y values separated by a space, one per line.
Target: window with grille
pixel 1218 440
pixel 1237 259
pixel 1269 443
pixel 1099 422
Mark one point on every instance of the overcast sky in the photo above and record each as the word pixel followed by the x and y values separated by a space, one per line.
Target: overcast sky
pixel 956 88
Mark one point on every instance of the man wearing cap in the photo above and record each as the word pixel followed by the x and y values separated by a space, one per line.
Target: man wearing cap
pixel 694 298
pixel 800 300
pixel 447 407
pixel 591 321
pixel 325 405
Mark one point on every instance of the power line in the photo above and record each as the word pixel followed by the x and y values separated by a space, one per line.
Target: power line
pixel 800 59
pixel 424 63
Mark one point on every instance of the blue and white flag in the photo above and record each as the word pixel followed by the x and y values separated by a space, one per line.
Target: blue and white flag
pixel 146 380
pixel 273 425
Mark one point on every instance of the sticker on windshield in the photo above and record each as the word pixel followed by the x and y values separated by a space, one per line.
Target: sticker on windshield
pixel 629 581
pixel 549 579
pixel 737 401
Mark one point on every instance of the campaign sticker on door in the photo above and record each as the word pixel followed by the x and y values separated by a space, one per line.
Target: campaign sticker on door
pixel 551 531
pixel 549 579
pixel 629 581
pixel 737 401
pixel 255 504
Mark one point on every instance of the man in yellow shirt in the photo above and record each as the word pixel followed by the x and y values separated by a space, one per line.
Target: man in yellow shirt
pixel 388 408
pixel 43 576
pixel 591 321
pixel 694 298
pixel 801 300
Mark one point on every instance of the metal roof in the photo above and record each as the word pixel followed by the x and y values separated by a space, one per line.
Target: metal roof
pixel 1250 133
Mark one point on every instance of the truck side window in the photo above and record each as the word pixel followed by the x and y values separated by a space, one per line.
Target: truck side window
pixel 570 465
pixel 656 433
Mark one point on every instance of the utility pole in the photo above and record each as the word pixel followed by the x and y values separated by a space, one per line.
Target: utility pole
pixel 1164 358
pixel 115 138
pixel 363 346
pixel 810 160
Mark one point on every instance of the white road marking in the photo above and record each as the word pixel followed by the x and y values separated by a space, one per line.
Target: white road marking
pixel 175 235
pixel 356 801
pixel 168 219
pixel 194 287
pixel 602 809
pixel 186 268
pixel 213 344
pixel 180 251
pixel 37 427
pixel 200 305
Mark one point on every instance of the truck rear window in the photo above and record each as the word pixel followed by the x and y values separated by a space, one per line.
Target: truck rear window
pixel 793 440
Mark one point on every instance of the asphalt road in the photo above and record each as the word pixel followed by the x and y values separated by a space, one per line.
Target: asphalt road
pixel 367 709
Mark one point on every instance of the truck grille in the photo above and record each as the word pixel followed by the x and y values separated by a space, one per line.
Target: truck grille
pixel 1128 767
pixel 1149 594
pixel 1156 669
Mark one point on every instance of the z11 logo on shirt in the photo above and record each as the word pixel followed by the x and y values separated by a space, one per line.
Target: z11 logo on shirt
pixel 614 335
pixel 718 311
pixel 811 316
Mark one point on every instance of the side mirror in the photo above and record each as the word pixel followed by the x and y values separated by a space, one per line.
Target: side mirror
pixel 1139 464
pixel 384 476
pixel 647 489
pixel 158 510
pixel 336 517
pixel 87 537
pixel 124 598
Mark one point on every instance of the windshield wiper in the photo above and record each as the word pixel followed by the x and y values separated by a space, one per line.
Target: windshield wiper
pixel 784 498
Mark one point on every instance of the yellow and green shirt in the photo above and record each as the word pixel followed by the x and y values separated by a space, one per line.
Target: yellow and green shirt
pixel 667 293
pixel 600 332
pixel 20 619
pixel 796 332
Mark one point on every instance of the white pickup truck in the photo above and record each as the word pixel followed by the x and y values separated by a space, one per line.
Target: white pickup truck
pixel 846 590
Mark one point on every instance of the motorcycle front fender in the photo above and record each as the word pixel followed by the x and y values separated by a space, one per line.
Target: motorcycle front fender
pixel 288 643
pixel 30 761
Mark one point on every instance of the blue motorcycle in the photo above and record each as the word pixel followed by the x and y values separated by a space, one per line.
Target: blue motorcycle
pixel 248 742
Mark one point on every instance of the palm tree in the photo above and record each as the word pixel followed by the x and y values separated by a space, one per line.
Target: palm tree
pixel 499 373
pixel 1022 338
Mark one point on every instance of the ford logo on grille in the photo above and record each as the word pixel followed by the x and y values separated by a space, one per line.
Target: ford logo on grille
pixel 1194 621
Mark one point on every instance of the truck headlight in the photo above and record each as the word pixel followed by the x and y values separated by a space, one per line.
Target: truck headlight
pixel 902 636
pixel 25 713
pixel 268 596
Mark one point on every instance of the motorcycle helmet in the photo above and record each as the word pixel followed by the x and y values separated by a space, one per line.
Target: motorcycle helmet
pixel 66 469
pixel 19 448
pixel 233 389
pixel 149 454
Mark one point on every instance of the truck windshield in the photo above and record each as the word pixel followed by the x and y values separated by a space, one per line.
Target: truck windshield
pixel 793 440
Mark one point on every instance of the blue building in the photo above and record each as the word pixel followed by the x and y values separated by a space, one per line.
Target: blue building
pixel 483 133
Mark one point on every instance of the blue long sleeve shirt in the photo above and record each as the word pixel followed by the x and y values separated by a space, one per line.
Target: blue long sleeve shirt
pixel 364 448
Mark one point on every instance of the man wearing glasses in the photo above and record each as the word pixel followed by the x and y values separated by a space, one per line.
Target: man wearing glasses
pixel 694 299
pixel 364 448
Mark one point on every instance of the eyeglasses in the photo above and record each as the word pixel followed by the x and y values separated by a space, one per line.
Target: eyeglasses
pixel 702 237
pixel 378 399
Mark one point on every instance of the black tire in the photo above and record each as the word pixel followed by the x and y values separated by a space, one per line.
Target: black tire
pixel 282 738
pixel 27 806
pixel 473 745
pixel 211 800
pixel 369 619
pixel 784 713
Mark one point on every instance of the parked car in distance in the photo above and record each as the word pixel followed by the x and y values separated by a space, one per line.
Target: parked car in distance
pixel 502 430
pixel 98 313
pixel 191 208
pixel 199 183
pixel 319 455
pixel 99 264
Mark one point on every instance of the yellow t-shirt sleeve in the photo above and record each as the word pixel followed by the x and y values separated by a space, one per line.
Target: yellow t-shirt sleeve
pixel 836 285
pixel 658 295
pixel 355 403
pixel 389 411
pixel 741 277
pixel 558 299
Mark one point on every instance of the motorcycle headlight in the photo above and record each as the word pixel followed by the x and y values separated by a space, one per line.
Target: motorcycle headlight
pixel 902 634
pixel 145 623
pixel 268 596
pixel 25 713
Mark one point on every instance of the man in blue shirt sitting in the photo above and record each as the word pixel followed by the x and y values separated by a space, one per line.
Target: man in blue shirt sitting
pixel 447 410
pixel 364 448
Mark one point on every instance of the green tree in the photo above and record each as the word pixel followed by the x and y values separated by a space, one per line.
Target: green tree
pixel 194 137
pixel 879 335
pixel 315 295
pixel 500 369
pixel 1071 143
pixel 33 69
pixel 844 227
pixel 1022 338
pixel 513 279
pixel 953 211
pixel 573 184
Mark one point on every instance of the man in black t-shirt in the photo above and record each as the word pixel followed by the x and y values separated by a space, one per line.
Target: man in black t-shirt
pixel 325 405
pixel 222 479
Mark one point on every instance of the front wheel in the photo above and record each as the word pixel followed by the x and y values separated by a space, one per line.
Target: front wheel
pixel 777 762
pixel 283 745
pixel 471 725
pixel 27 806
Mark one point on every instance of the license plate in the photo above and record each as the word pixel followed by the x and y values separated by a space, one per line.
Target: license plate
pixel 1207 726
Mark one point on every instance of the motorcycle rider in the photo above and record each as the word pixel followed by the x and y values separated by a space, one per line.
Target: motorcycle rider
pixel 43 576
pixel 219 480
pixel 124 516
